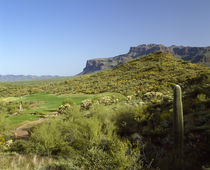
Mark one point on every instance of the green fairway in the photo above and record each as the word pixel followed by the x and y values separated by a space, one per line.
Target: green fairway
pixel 46 103
pixel 22 118
pixel 43 103
pixel 49 103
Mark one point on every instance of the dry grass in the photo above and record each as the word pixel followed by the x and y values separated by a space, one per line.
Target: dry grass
pixel 26 162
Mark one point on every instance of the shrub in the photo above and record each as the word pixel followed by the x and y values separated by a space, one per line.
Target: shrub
pixel 68 101
pixel 106 100
pixel 128 118
pixel 23 147
pixel 86 104
pixel 87 138
pixel 49 136
pixel 63 164
pixel 63 108
pixel 3 123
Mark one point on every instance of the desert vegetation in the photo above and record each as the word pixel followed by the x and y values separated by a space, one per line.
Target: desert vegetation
pixel 120 118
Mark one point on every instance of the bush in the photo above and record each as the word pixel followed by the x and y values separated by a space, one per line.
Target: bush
pixel 68 101
pixel 23 147
pixel 3 123
pixel 86 104
pixel 87 138
pixel 49 136
pixel 128 118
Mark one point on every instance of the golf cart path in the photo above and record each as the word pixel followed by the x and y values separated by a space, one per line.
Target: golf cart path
pixel 22 131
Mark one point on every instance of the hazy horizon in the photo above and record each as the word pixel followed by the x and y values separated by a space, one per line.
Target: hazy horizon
pixel 54 37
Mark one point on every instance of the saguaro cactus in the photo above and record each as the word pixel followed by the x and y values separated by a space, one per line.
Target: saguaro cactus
pixel 178 127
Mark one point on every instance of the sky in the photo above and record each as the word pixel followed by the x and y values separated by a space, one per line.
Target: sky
pixel 57 37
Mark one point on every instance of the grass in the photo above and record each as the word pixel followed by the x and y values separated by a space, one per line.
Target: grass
pixel 49 103
pixel 44 104
pixel 16 120
pixel 17 162
pixel 8 99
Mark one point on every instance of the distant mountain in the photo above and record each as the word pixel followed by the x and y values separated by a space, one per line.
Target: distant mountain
pixel 12 78
pixel 191 54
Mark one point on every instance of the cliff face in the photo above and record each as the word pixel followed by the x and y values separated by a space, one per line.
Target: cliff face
pixel 94 65
pixel 191 54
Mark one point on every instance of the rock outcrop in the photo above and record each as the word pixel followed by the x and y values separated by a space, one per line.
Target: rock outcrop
pixel 191 54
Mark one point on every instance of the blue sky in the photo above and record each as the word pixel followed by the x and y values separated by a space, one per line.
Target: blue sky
pixel 56 37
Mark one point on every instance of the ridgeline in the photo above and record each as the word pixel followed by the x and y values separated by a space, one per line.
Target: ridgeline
pixel 191 54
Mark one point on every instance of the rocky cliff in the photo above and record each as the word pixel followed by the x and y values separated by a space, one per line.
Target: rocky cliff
pixel 191 54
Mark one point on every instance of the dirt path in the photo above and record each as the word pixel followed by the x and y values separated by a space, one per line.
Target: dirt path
pixel 22 131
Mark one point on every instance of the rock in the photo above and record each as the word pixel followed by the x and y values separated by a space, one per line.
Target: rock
pixel 94 65
pixel 191 54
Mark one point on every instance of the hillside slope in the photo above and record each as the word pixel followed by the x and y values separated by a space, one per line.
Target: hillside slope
pixel 192 54
pixel 155 72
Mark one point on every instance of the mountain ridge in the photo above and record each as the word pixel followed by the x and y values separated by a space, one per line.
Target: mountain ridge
pixel 187 53
pixel 13 78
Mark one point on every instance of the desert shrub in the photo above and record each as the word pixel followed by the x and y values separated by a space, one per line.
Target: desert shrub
pixel 9 108
pixel 80 133
pixel 106 100
pixel 72 112
pixel 3 122
pixel 12 108
pixel 62 108
pixel 68 101
pixel 127 119
pixel 105 115
pixel 86 104
pixel 96 158
pixel 87 138
pixel 49 136
pixel 2 143
pixel 23 147
pixel 63 164
pixel 63 137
